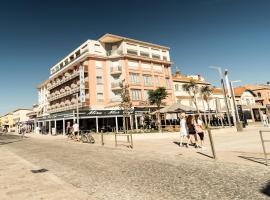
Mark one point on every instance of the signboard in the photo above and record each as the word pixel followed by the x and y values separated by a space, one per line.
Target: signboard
pixel 82 86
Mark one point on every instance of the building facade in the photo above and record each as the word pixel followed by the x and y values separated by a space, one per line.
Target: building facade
pixel 89 80
pixel 20 117
pixel 251 104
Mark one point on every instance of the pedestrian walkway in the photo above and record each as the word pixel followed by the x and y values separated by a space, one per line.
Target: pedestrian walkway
pixel 19 182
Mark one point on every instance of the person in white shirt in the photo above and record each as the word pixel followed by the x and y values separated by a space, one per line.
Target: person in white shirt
pixel 75 128
pixel 265 120
pixel 183 130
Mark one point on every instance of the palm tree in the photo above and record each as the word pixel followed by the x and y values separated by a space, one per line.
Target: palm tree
pixel 156 97
pixel 206 92
pixel 192 89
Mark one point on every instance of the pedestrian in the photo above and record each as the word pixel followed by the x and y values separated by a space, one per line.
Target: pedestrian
pixel 183 130
pixel 199 130
pixel 75 129
pixel 265 120
pixel 191 130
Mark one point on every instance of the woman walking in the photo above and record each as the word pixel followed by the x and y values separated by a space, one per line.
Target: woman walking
pixel 183 130
pixel 199 129
pixel 191 130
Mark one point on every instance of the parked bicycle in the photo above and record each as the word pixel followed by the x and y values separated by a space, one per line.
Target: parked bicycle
pixel 86 137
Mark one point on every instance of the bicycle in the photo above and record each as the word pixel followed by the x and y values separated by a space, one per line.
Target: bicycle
pixel 86 137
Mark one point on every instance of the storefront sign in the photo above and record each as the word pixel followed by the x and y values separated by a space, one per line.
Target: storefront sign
pixel 104 112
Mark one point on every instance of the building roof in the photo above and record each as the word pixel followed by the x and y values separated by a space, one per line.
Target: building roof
pixel 179 77
pixel 217 90
pixel 257 87
pixel 110 38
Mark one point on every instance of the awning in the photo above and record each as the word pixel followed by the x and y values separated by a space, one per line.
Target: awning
pixel 177 108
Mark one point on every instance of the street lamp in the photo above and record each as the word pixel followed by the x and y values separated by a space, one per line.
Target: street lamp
pixel 239 126
pixel 224 91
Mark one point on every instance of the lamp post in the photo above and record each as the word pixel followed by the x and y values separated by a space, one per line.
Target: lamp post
pixel 224 92
pixel 239 126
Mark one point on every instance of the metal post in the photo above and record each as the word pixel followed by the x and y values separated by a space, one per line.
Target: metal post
pixel 264 150
pixel 97 124
pixel 212 144
pixel 116 124
pixel 64 128
pixel 50 127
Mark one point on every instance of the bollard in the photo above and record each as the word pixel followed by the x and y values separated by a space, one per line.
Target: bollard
pixel 212 143
pixel 102 139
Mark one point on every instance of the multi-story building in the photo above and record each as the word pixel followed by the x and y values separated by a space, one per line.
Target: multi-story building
pixel 20 117
pixel 90 78
pixel 263 93
pixel 7 121
pixel 250 102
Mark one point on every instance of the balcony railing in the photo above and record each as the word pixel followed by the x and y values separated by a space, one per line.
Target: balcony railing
pixel 66 93
pixel 66 79
pixel 116 70
pixel 65 108
pixel 116 86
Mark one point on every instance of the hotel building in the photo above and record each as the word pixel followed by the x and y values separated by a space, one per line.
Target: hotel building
pixel 89 78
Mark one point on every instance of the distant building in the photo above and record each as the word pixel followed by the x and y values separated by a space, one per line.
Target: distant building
pixel 20 117
pixel 251 104
pixel 7 121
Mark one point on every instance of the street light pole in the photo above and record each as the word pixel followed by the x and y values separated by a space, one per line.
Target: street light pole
pixel 224 92
pixel 239 126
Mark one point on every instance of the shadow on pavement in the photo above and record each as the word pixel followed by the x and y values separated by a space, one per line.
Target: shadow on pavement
pixel 205 154
pixel 266 189
pixel 253 159
pixel 8 139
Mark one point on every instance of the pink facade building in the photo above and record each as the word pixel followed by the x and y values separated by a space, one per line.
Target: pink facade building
pixel 89 78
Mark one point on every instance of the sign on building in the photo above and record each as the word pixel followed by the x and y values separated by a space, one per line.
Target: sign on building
pixel 82 82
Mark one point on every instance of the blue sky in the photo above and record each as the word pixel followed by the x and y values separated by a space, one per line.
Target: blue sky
pixel 34 35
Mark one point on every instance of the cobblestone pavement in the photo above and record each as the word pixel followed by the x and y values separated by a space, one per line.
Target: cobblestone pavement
pixel 109 173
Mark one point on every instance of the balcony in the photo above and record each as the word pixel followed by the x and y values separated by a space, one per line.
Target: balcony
pixel 64 94
pixel 64 108
pixel 116 70
pixel 114 53
pixel 66 79
pixel 116 86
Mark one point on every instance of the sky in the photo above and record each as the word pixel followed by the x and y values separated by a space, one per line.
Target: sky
pixel 35 35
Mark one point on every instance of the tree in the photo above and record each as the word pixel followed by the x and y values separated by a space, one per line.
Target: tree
pixel 192 89
pixel 126 104
pixel 206 92
pixel 155 97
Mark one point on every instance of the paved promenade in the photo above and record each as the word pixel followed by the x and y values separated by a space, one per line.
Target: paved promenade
pixel 156 169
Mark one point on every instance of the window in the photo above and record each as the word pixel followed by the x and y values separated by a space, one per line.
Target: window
pixel 157 80
pixel 166 69
pixel 155 56
pixel 146 95
pixel 136 94
pixel 146 66
pixel 133 63
pixel 259 94
pixel 176 87
pixel 147 80
pixel 132 52
pixel 134 78
pixel 100 96
pixel 157 68
pixel 98 64
pixel 99 80
pixel 144 54
pixel 168 84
